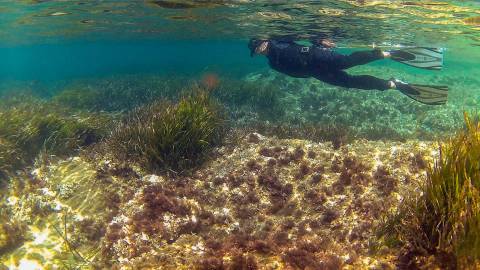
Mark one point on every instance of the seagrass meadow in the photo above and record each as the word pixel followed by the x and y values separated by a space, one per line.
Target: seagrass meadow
pixel 142 135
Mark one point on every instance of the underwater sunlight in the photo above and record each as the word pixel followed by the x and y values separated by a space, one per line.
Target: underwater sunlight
pixel 241 134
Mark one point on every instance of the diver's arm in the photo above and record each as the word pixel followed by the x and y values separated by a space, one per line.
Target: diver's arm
pixel 284 39
pixel 323 42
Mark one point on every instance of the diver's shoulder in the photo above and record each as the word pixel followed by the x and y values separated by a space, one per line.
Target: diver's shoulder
pixel 281 44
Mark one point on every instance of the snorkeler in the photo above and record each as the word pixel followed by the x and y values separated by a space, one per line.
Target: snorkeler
pixel 323 63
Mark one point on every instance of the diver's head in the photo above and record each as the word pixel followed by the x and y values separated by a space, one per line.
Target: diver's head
pixel 258 46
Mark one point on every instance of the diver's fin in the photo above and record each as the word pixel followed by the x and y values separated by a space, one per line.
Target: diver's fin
pixel 420 57
pixel 426 94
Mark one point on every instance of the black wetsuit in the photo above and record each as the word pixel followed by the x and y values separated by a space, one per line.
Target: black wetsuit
pixel 324 64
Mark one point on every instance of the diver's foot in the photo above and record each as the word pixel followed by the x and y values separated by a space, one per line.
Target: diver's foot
pixel 404 87
pixel 392 84
pixel 398 84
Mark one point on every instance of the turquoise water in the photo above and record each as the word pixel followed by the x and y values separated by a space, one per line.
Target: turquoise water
pixel 75 74
pixel 127 37
pixel 77 59
pixel 48 46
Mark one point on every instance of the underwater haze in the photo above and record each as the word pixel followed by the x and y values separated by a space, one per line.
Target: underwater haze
pixel 143 135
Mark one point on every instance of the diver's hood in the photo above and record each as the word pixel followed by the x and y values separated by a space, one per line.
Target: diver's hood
pixel 253 44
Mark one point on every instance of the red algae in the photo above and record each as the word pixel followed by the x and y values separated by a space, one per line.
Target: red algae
pixel 210 81
pixel 259 206
pixel 243 262
pixel 303 170
pixel 253 138
pixel 316 178
pixel 262 247
pixel 266 152
pixel 210 263
pixel 301 259
pixel 298 153
pixel 253 165
pixel 385 183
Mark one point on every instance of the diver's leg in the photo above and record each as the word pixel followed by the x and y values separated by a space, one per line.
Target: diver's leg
pixel 327 59
pixel 365 82
pixel 361 58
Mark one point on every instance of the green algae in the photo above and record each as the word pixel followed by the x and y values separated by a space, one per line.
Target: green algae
pixel 266 99
pixel 166 136
pixel 8 158
pixel 270 97
pixel 86 99
pixel 444 220
pixel 119 93
pixel 33 126
pixel 12 231
pixel 374 115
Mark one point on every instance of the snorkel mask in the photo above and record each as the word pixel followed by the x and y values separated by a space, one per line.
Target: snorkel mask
pixel 254 45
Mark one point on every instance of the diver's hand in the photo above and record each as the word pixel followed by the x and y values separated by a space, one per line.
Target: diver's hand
pixel 328 43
